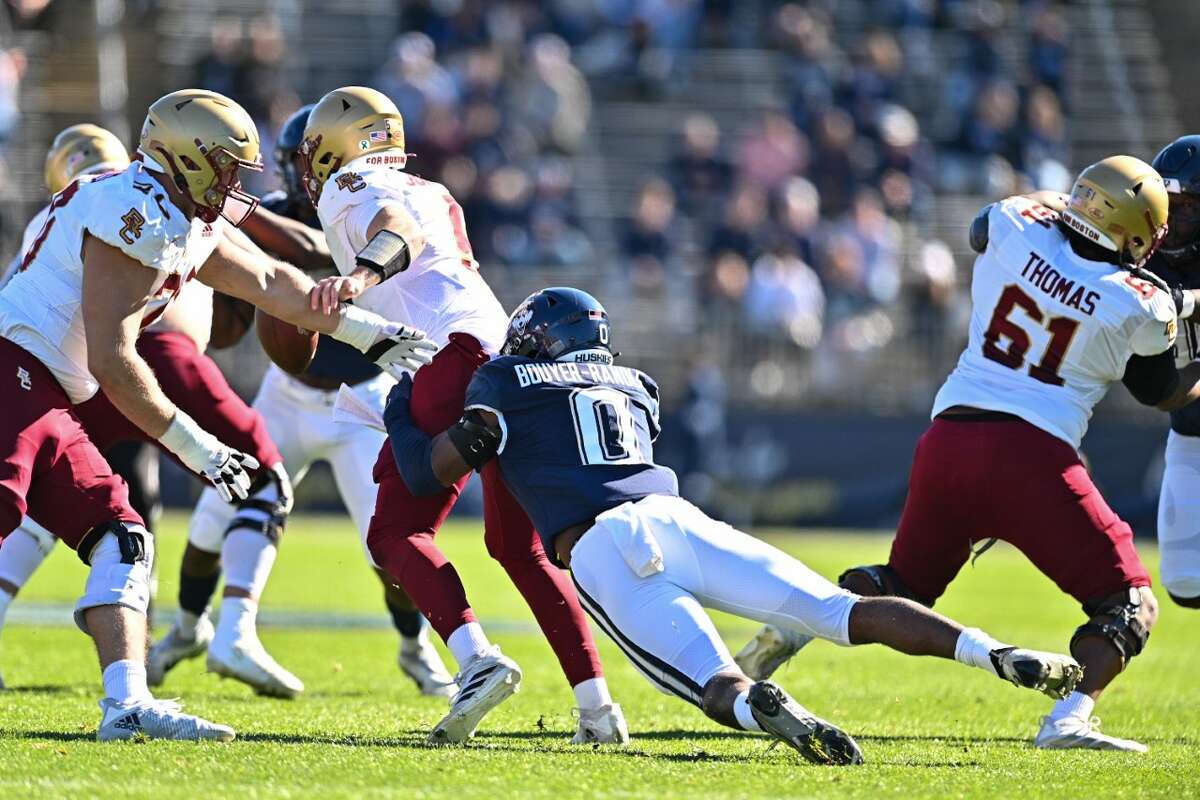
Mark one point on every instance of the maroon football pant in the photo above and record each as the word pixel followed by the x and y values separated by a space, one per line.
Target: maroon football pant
pixel 1008 480
pixel 402 530
pixel 49 468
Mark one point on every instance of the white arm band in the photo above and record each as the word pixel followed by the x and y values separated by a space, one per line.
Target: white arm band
pixel 1189 304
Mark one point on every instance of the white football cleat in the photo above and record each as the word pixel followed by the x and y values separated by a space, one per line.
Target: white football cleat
pixel 420 661
pixel 604 725
pixel 768 651
pixel 484 683
pixel 1075 733
pixel 248 661
pixel 175 647
pixel 156 719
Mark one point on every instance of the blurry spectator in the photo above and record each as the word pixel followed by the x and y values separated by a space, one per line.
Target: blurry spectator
pixel 220 68
pixel 797 218
pixel 1044 135
pixel 992 127
pixel 743 229
pixel 554 97
pixel 414 80
pixel 772 151
pixel 653 232
pixel 785 298
pixel 1048 48
pixel 700 175
pixel 814 61
pixel 834 171
pixel 933 295
pixel 724 284
pixel 12 67
pixel 878 240
pixel 875 77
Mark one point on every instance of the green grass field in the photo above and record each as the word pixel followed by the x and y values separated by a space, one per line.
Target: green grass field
pixel 929 728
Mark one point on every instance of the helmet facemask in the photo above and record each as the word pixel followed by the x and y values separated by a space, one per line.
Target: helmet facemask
pixel 1182 242
pixel 225 197
pixel 327 164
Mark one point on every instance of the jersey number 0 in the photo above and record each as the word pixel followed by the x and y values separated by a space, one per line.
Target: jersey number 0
pixel 604 427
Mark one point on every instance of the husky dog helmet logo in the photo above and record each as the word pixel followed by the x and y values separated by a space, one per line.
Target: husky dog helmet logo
pixel 520 318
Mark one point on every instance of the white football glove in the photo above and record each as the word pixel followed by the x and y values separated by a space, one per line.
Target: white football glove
pixel 394 347
pixel 228 470
pixel 402 349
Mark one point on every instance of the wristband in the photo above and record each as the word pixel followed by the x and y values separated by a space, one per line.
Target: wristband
pixel 386 255
pixel 358 327
pixel 192 444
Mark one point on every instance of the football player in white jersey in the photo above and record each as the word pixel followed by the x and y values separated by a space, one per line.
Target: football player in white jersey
pixel 298 414
pixel 174 346
pixel 111 255
pixel 401 246
pixel 1062 308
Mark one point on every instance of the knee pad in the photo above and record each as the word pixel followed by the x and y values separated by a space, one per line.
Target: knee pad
pixel 266 508
pixel 1118 622
pixel 45 539
pixel 120 555
pixel 885 580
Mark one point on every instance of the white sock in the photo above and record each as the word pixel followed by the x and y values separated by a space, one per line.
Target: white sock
pixel 5 601
pixel 1076 704
pixel 743 714
pixel 974 649
pixel 247 557
pixel 467 642
pixel 125 682
pixel 238 615
pixel 592 694
pixel 187 622
pixel 20 556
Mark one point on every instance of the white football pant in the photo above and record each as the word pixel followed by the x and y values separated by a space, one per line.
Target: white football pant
pixel 646 571
pixel 1179 517
pixel 300 421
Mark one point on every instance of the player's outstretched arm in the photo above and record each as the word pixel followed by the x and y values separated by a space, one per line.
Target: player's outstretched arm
pixel 1186 391
pixel 289 239
pixel 282 291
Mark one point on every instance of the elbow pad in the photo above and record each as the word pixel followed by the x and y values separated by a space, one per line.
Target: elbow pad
pixel 474 440
pixel 386 255
pixel 1151 379
pixel 977 236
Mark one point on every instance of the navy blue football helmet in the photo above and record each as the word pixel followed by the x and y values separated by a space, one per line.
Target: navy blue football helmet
pixel 554 322
pixel 291 134
pixel 1179 165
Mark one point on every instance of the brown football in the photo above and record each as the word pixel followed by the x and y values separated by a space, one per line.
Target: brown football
pixel 292 350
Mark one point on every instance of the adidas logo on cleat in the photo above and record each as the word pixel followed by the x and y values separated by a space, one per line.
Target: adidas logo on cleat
pixel 129 722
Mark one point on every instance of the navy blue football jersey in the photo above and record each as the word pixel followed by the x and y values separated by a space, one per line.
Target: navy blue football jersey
pixel 578 439
pixel 333 359
pixel 1184 421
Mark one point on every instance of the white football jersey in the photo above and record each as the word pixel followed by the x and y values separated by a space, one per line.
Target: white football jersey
pixel 41 307
pixel 442 291
pixel 1050 330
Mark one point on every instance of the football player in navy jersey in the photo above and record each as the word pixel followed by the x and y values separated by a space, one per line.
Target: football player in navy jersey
pixel 1178 263
pixel 298 410
pixel 573 434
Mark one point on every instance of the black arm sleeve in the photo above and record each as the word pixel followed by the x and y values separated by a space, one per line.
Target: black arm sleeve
pixel 978 234
pixel 1151 379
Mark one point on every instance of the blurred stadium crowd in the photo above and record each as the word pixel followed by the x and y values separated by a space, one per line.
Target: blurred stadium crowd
pixel 799 233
